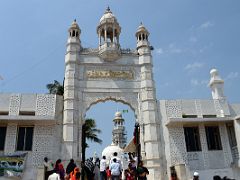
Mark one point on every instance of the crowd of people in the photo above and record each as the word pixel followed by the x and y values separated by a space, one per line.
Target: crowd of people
pixel 114 170
pixel 98 169
pixel 57 172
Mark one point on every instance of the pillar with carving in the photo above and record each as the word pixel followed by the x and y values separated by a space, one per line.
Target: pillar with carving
pixel 149 123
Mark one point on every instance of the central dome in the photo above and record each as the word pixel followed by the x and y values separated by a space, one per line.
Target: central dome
pixel 108 32
pixel 108 16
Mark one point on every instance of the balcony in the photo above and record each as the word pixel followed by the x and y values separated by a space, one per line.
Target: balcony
pixel 109 51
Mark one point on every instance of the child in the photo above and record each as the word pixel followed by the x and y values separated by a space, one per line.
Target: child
pixel 108 173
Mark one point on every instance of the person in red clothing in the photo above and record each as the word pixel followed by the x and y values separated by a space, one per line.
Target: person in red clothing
pixel 73 174
pixel 108 173
pixel 60 169
pixel 129 172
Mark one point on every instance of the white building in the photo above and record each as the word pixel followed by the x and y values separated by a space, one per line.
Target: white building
pixel 189 135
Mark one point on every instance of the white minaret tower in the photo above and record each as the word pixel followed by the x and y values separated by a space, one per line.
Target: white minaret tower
pixel 151 148
pixel 143 45
pixel 118 133
pixel 217 85
pixel 70 114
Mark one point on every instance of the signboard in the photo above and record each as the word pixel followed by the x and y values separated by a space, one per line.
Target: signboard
pixel 12 165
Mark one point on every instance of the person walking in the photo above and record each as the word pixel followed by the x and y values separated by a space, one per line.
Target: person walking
pixel 108 173
pixel 129 173
pixel 195 176
pixel 54 176
pixel 73 174
pixel 142 171
pixel 103 167
pixel 60 169
pixel 115 169
pixel 48 168
pixel 70 167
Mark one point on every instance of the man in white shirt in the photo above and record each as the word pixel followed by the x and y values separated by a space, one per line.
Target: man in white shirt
pixel 103 167
pixel 54 176
pixel 115 169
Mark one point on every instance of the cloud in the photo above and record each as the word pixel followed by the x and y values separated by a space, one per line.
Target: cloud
pixel 194 66
pixel 232 75
pixel 193 39
pixel 159 51
pixel 206 25
pixel 175 50
pixel 195 82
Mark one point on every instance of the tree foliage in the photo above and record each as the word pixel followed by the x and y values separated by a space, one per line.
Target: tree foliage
pixel 91 131
pixel 55 88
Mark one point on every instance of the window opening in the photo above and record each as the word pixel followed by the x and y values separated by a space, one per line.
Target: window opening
pixel 4 112
pixel 192 139
pixel 209 116
pixel 3 131
pixel 231 135
pixel 189 116
pixel 24 138
pixel 213 138
pixel 27 113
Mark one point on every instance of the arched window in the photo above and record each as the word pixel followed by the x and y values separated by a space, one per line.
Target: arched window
pixel 143 36
pixel 140 37
pixel 73 34
pixel 77 34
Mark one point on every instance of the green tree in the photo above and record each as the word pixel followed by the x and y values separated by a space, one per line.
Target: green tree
pixel 91 131
pixel 55 88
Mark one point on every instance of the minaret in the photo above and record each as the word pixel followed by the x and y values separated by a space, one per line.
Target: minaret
pixel 74 43
pixel 143 45
pixel 217 85
pixel 71 110
pixel 149 118
pixel 108 32
pixel 118 133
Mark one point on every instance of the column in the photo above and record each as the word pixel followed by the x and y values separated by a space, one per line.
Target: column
pixel 113 34
pixel 237 134
pixel 99 37
pixel 151 123
pixel 105 34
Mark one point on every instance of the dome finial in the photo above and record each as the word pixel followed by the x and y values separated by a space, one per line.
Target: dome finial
pixel 108 8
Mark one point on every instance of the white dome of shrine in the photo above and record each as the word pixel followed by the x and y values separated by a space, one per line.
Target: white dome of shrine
pixel 109 150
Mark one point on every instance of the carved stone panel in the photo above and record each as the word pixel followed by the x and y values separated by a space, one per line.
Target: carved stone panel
pixel 10 141
pixel 173 108
pixel 177 146
pixel 45 105
pixel 14 105
pixel 42 143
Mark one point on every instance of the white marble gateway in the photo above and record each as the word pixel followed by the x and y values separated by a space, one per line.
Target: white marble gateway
pixel 185 135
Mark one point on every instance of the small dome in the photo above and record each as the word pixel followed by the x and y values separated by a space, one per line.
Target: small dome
pixel 108 16
pixel 74 25
pixel 109 150
pixel 214 72
pixel 118 114
pixel 142 28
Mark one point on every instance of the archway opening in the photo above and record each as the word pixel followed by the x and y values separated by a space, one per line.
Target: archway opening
pixel 103 113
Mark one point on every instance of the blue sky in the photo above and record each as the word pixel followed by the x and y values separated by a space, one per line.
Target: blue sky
pixel 189 38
